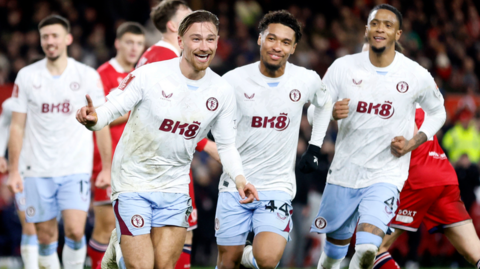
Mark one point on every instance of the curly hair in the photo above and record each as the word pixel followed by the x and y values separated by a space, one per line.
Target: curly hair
pixel 283 17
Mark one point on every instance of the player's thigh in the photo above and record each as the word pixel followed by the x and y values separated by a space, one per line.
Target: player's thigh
pixel 414 205
pixel 104 218
pixel 233 220
pixel 448 210
pixel 268 249
pixel 74 223
pixel 189 237
pixel 337 216
pixel 168 245
pixel 133 215
pixel 137 251
pixel 74 192
pixel 377 208
pixel 40 199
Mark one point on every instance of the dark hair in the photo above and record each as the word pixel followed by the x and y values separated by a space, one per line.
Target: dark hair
pixel 197 16
pixel 284 17
pixel 392 9
pixel 55 19
pixel 130 27
pixel 164 11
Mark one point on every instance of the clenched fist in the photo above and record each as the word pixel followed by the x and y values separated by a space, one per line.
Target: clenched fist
pixel 87 115
pixel 340 109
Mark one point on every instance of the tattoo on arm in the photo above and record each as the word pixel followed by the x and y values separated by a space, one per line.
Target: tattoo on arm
pixel 365 227
pixel 418 139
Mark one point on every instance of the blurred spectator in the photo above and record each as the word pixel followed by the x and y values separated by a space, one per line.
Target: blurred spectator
pixel 463 138
pixel 468 179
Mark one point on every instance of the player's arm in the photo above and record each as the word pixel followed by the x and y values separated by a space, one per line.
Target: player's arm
pixel 209 147
pixel 116 106
pixel 17 130
pixel 224 132
pixel 120 120
pixel 321 118
pixel 104 144
pixel 431 101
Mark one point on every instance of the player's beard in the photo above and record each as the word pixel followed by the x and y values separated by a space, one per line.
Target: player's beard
pixel 54 58
pixel 270 67
pixel 378 50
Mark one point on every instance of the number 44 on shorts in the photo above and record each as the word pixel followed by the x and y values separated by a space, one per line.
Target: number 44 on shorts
pixel 271 206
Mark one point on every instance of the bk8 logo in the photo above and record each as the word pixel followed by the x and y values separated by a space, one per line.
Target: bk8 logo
pixel 189 131
pixel 384 111
pixel 279 123
pixel 58 108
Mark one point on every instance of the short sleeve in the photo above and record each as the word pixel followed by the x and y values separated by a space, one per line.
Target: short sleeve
pixel 20 94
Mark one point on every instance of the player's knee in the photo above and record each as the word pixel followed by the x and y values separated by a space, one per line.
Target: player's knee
pixel 266 262
pixel 228 264
pixel 366 254
pixel 74 234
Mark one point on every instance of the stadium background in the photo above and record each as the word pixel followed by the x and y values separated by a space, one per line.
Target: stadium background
pixel 442 35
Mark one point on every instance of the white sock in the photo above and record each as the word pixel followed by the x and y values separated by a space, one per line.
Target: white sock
pixel 326 262
pixel 29 256
pixel 73 259
pixel 247 257
pixel 364 256
pixel 49 262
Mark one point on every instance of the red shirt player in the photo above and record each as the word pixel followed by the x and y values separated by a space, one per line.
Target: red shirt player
pixel 130 42
pixel 431 195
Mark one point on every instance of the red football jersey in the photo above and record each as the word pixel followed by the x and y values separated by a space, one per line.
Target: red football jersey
pixel 429 166
pixel 111 74
pixel 159 52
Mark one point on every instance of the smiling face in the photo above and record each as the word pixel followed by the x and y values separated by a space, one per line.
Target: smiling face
pixel 54 40
pixel 199 44
pixel 382 30
pixel 277 42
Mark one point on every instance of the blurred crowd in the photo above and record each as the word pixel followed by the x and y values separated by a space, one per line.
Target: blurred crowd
pixel 441 35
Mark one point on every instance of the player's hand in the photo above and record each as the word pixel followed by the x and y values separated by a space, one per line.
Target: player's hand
pixel 103 180
pixel 247 191
pixel 309 161
pixel 87 115
pixel 340 109
pixel 3 165
pixel 398 147
pixel 15 182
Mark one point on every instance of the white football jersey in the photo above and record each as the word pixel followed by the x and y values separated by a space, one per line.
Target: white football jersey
pixel 5 120
pixel 55 144
pixel 166 122
pixel 382 106
pixel 268 124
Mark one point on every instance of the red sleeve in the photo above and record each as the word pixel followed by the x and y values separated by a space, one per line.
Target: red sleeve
pixel 103 72
pixel 201 144
pixel 419 117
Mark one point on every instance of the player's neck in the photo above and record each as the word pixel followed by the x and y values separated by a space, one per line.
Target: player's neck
pixel 126 66
pixel 171 38
pixel 56 67
pixel 272 73
pixel 383 59
pixel 188 71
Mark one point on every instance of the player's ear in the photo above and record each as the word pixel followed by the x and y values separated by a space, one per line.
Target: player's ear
pixel 117 43
pixel 180 42
pixel 69 39
pixel 259 41
pixel 398 34
pixel 171 26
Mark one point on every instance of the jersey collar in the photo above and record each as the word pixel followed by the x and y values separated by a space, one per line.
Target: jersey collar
pixel 258 77
pixel 116 65
pixel 167 45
